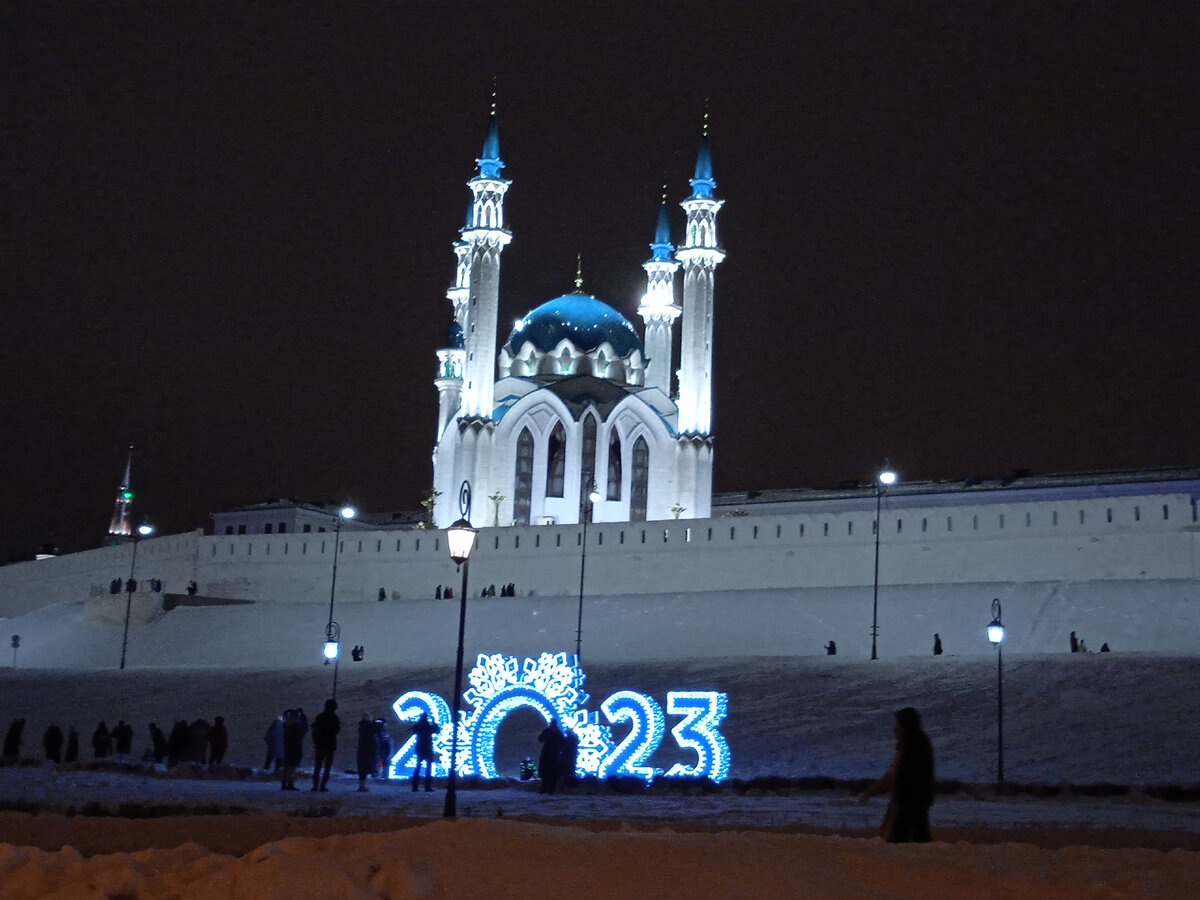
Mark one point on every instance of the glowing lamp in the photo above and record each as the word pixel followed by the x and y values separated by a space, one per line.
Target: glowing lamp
pixel 330 650
pixel 347 512
pixel 145 530
pixel 461 538
pixel 995 632
pixel 887 477
pixel 594 495
pixel 126 495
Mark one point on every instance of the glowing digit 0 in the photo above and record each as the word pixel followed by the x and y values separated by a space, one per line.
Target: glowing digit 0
pixel 408 708
pixel 702 713
pixel 645 733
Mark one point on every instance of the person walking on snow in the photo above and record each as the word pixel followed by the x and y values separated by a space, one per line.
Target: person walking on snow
pixel 909 781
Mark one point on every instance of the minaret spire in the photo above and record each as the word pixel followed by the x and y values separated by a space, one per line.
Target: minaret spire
pixel 486 237
pixel 658 308
pixel 121 528
pixel 579 272
pixel 700 256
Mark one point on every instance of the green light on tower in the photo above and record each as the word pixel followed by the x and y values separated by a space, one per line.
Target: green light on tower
pixel 126 495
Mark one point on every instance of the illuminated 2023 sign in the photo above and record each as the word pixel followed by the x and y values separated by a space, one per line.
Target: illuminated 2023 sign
pixel 552 685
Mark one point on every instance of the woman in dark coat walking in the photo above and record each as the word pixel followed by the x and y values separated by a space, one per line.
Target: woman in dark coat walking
pixel 368 750
pixel 909 781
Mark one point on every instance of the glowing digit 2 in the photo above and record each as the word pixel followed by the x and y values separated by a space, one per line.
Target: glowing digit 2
pixel 645 734
pixel 702 713
pixel 408 708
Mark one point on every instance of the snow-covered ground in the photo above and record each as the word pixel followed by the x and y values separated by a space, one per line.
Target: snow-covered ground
pixel 1132 720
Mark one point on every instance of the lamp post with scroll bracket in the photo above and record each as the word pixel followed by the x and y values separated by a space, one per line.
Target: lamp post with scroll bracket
pixel 460 537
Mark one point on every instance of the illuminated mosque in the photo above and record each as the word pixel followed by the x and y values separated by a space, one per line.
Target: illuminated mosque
pixel 578 418
pixel 575 415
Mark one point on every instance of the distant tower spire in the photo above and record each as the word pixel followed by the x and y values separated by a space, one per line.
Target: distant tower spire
pixel 658 308
pixel 120 528
pixel 579 272
pixel 700 255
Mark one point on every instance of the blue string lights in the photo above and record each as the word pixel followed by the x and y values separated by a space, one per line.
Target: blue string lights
pixel 552 684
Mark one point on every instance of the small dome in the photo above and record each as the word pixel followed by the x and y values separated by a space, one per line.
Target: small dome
pixel 579 318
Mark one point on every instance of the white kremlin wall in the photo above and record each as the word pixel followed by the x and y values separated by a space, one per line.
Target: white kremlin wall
pixel 1116 569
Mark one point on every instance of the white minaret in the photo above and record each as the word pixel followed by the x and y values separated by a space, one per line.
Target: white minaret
pixel 486 237
pixel 451 357
pixel 658 308
pixel 700 256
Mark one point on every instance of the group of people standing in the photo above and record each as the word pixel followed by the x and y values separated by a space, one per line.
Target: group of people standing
pixel 445 592
pixel 559 756
pixel 285 746
pixel 1079 645
pixel 198 742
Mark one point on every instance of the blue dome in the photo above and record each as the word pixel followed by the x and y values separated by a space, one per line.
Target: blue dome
pixel 579 318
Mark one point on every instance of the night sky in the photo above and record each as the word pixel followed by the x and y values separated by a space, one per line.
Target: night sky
pixel 964 236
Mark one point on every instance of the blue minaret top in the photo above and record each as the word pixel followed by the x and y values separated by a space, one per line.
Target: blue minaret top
pixel 489 161
pixel 702 182
pixel 662 246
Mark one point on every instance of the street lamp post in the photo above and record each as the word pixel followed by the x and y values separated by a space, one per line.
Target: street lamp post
pixel 995 633
pixel 143 530
pixel 883 480
pixel 331 649
pixel 461 539
pixel 585 513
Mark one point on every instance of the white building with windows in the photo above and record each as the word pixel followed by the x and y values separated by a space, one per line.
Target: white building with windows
pixel 576 400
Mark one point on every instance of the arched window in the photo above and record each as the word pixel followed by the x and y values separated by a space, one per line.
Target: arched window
pixel 614 465
pixel 523 480
pixel 587 465
pixel 639 481
pixel 556 461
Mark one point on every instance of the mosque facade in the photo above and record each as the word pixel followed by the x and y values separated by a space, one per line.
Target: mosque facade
pixel 576 413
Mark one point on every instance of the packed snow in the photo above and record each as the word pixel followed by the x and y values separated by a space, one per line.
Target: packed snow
pixel 99 830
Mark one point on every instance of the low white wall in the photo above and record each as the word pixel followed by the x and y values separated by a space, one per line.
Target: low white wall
pixel 1125 552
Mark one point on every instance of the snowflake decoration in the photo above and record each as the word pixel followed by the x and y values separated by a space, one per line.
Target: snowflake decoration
pixel 552 684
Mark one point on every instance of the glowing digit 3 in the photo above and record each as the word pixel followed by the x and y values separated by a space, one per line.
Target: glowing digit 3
pixel 702 713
